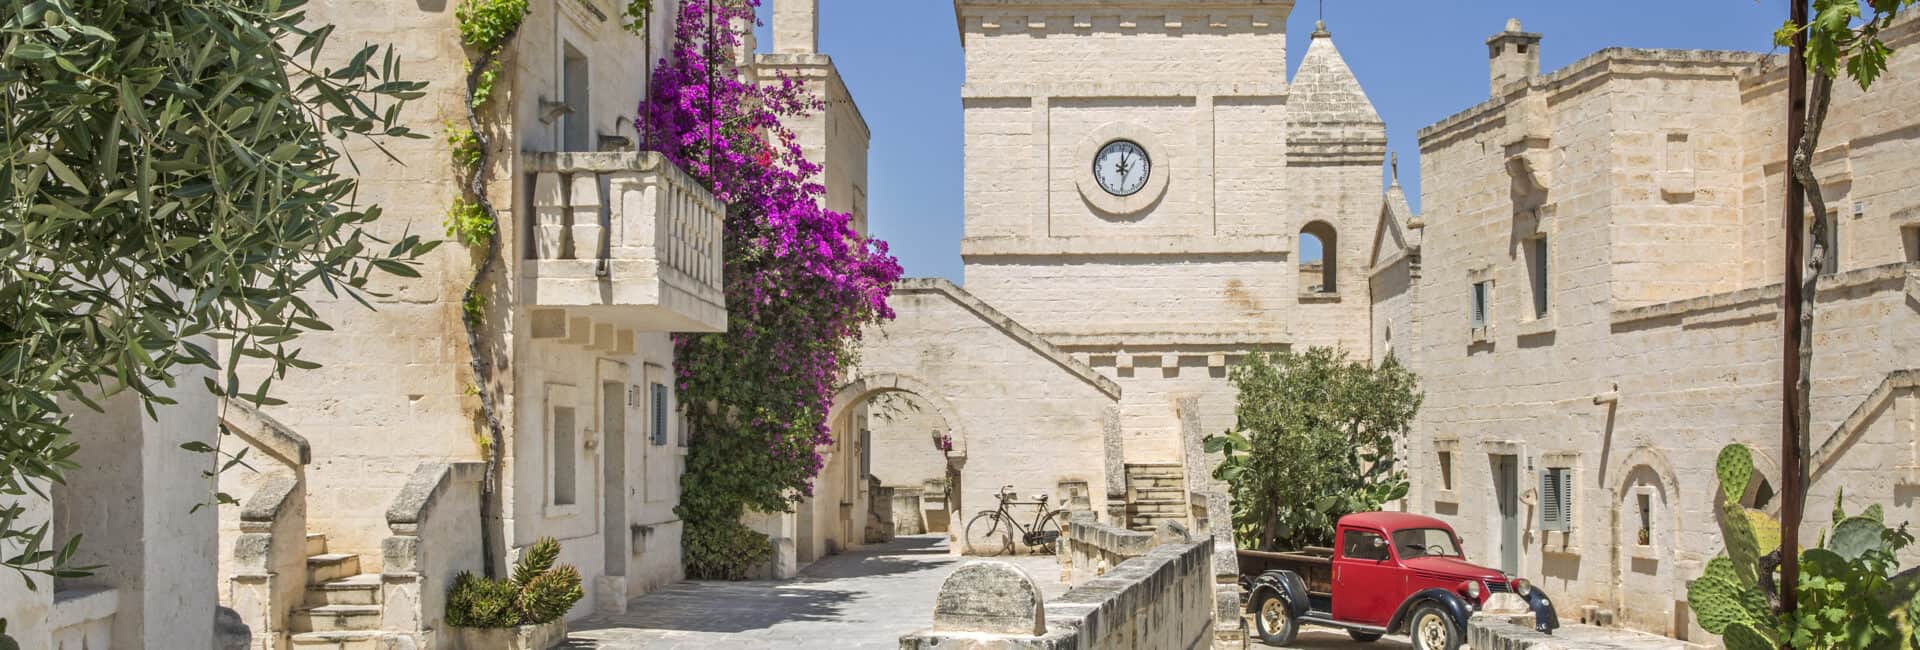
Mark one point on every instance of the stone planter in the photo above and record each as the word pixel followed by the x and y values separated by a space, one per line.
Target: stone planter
pixel 525 637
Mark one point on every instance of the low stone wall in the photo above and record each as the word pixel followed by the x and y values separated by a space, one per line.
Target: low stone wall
pixel 1092 549
pixel 1488 631
pixel 1162 599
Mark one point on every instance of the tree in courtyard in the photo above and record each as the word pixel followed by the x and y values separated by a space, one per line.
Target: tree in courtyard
pixel 799 282
pixel 172 174
pixel 1313 441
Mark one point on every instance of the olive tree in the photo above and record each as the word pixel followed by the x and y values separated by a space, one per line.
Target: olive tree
pixel 1313 441
pixel 172 171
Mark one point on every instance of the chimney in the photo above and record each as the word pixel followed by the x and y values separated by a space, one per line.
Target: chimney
pixel 1514 54
pixel 796 26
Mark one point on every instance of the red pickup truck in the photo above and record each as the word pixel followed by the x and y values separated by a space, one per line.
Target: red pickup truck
pixel 1388 573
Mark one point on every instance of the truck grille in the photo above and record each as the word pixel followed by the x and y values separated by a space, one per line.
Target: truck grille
pixel 1497 587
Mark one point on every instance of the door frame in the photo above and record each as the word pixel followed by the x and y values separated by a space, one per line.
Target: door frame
pixel 610 394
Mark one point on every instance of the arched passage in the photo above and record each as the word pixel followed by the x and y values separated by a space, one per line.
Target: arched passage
pixel 895 428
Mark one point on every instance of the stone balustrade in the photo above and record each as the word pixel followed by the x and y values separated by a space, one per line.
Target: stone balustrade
pixel 626 239
pixel 436 526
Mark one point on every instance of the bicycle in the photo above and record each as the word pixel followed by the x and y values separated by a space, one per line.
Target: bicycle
pixel 990 532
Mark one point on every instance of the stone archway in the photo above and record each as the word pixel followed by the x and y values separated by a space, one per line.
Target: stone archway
pixel 1647 536
pixel 862 406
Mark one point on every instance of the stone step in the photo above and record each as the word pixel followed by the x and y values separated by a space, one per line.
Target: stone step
pixel 347 640
pixel 363 589
pixel 1174 509
pixel 336 618
pixel 1155 494
pixel 316 544
pixel 1156 483
pixel 328 567
pixel 1172 470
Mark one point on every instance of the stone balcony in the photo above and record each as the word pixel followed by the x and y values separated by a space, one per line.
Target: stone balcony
pixel 624 239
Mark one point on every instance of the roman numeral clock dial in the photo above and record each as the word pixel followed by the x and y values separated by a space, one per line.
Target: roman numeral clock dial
pixel 1122 167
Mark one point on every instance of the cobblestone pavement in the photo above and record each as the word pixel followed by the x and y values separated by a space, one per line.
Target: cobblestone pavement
pixel 1317 638
pixel 860 599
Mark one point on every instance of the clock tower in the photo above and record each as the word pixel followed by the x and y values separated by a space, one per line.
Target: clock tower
pixel 1146 190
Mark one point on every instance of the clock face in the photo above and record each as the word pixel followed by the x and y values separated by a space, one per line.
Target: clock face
pixel 1122 167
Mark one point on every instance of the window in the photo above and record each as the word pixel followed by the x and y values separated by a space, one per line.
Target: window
pixel 1364 545
pixel 1482 294
pixel 563 447
pixel 1319 259
pixel 1446 470
pixel 1422 542
pixel 1912 236
pixel 659 431
pixel 1556 499
pixel 1537 273
pixel 576 127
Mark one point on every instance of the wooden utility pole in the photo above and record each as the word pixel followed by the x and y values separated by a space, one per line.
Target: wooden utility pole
pixel 1792 474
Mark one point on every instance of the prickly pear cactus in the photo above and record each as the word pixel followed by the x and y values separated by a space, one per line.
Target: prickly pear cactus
pixel 1735 468
pixel 1721 599
pixel 1855 536
pixel 1727 598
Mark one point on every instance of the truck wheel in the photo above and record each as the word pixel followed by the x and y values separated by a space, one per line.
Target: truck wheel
pixel 1432 629
pixel 1274 621
pixel 1363 637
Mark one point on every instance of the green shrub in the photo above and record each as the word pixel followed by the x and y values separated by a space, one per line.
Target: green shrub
pixel 539 592
pixel 470 224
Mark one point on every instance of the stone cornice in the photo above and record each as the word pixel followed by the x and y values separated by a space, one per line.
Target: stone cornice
pixel 1767 297
pixel 1596 66
pixel 1276 90
pixel 1010 327
pixel 1007 16
pixel 988 247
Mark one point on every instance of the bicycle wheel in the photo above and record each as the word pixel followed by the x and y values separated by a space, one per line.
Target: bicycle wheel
pixel 1047 532
pixel 986 536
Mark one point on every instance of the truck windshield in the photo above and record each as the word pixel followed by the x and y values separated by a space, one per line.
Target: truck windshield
pixel 1422 542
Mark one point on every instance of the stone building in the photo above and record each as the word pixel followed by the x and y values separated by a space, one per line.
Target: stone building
pixel 1138 179
pixel 1591 299
pixel 372 501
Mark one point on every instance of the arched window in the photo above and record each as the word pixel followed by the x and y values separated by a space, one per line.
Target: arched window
pixel 1319 262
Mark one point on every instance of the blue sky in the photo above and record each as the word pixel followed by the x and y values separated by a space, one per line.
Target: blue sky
pixel 1419 60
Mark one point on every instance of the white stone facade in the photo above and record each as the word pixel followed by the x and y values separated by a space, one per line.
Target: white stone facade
pixel 1655 179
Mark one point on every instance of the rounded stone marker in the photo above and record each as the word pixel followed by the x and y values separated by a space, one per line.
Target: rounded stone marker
pixel 990 597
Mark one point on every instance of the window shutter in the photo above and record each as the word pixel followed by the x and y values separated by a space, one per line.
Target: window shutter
pixel 659 414
pixel 1556 500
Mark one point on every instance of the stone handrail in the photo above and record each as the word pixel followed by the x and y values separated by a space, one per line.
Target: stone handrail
pixel 265 433
pixel 436 524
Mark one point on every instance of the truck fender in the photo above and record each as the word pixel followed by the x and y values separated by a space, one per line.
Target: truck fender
pixel 1285 584
pixel 1446 599
pixel 1545 618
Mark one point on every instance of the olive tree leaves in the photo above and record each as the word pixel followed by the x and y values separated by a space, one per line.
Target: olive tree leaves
pixel 175 192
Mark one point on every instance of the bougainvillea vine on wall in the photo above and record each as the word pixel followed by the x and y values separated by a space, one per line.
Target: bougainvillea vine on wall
pixel 800 284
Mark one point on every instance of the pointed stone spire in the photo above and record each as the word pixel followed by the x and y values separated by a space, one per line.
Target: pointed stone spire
pixel 1329 113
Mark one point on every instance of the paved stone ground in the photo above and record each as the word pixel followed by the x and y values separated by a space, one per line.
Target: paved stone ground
pixel 859 599
pixel 1320 638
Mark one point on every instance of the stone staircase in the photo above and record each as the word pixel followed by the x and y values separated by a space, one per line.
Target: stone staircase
pixel 1156 493
pixel 342 608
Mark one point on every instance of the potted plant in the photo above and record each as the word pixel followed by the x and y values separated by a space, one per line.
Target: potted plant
pixel 523 612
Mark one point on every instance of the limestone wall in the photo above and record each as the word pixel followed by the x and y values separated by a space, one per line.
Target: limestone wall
pixel 1654 176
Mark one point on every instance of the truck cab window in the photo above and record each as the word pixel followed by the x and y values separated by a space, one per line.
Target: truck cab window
pixel 1365 545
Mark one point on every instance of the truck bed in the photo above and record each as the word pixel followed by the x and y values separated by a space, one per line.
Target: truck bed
pixel 1313 564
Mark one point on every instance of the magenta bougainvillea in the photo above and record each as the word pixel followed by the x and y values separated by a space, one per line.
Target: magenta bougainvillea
pixel 800 285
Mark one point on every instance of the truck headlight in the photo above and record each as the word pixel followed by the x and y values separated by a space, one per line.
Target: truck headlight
pixel 1523 588
pixel 1472 589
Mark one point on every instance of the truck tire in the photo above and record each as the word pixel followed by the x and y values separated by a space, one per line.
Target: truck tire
pixel 1432 628
pixel 1274 621
pixel 1363 637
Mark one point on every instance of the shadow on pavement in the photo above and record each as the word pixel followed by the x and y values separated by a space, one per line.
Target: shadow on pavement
pixel 723 607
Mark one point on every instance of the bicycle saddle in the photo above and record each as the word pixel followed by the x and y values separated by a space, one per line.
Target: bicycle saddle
pixel 1039 497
